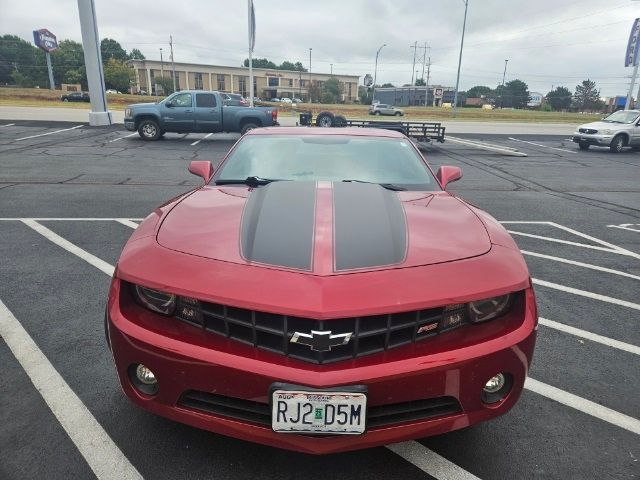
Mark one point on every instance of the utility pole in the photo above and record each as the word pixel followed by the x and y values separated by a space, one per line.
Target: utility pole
pixel 173 65
pixel 415 49
pixel 503 77
pixel 309 88
pixel 426 95
pixel 375 73
pixel 464 25
pixel 161 64
pixel 331 69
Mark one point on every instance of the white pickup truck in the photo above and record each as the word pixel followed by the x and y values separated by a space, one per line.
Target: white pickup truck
pixel 619 130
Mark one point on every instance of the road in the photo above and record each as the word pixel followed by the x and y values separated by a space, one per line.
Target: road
pixel 82 116
pixel 70 196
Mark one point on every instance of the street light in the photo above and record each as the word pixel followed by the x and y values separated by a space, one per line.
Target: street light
pixel 464 25
pixel 161 64
pixel 503 75
pixel 375 73
pixel 309 87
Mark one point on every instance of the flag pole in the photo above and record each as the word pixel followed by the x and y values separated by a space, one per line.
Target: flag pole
pixel 251 42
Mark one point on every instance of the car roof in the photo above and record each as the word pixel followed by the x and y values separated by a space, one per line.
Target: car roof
pixel 353 131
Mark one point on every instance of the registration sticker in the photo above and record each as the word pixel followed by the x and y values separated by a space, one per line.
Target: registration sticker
pixel 297 411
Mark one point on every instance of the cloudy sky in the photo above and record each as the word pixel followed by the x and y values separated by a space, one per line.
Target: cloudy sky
pixel 547 42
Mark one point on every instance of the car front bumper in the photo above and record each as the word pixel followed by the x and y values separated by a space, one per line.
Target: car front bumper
pixel 129 124
pixel 185 358
pixel 592 139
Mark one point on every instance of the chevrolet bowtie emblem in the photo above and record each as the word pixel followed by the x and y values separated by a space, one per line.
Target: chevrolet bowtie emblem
pixel 321 341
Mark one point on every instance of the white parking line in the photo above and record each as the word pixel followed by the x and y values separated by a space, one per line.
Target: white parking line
pixel 585 293
pixel 594 337
pixel 70 247
pixel 626 226
pixel 8 125
pixel 120 138
pixel 98 449
pixel 582 404
pixel 127 223
pixel 66 219
pixel 566 242
pixel 198 141
pixel 580 264
pixel 48 133
pixel 540 145
pixel 430 462
pixel 503 150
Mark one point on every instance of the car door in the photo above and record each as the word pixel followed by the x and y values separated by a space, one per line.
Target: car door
pixel 177 113
pixel 388 110
pixel 635 134
pixel 207 113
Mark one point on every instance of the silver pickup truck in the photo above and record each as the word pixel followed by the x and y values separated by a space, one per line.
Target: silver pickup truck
pixel 195 111
pixel 619 130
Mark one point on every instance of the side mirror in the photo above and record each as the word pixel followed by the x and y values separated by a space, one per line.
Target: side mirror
pixel 202 168
pixel 168 104
pixel 447 174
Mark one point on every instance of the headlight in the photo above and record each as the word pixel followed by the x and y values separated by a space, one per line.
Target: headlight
pixel 488 309
pixel 160 302
pixel 127 113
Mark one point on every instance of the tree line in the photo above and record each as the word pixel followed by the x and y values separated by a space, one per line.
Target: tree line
pixel 25 65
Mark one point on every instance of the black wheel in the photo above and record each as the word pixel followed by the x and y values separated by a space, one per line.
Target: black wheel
pixel 397 114
pixel 583 146
pixel 248 126
pixel 65 99
pixel 325 119
pixel 149 130
pixel 377 112
pixel 617 144
pixel 340 121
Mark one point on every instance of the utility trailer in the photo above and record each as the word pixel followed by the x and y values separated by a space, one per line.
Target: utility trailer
pixel 418 131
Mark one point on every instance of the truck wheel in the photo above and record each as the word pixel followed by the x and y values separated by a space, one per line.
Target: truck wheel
pixel 248 126
pixel 617 144
pixel 340 121
pixel 149 130
pixel 583 146
pixel 325 119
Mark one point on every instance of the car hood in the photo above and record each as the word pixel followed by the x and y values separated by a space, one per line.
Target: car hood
pixel 142 105
pixel 324 228
pixel 604 125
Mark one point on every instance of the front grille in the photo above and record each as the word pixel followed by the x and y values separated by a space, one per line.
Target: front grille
pixel 587 130
pixel 273 332
pixel 260 413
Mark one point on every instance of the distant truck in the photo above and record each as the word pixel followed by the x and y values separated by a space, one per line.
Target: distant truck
pixel 195 111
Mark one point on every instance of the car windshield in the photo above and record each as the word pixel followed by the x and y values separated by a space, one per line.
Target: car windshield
pixel 335 158
pixel 622 116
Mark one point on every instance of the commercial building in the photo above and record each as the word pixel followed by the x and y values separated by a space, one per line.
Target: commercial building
pixel 414 96
pixel 268 83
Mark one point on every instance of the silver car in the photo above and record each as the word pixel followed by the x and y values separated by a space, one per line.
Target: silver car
pixel 384 109
pixel 619 130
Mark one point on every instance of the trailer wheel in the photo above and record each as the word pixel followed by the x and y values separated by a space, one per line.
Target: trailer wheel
pixel 325 119
pixel 340 121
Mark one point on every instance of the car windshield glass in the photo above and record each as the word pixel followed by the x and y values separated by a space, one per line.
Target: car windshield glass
pixel 389 161
pixel 622 117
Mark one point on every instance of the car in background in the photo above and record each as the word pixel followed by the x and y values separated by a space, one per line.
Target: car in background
pixel 233 100
pixel 384 109
pixel 75 97
pixel 275 99
pixel 322 291
pixel 297 100
pixel 286 100
pixel 112 91
pixel 619 130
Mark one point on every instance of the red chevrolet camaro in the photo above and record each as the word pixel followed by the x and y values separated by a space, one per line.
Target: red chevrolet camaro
pixel 322 292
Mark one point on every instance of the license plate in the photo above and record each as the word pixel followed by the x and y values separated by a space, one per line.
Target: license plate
pixel 340 413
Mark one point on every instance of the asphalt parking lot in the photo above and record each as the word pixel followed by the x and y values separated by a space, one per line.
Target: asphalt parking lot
pixel 70 196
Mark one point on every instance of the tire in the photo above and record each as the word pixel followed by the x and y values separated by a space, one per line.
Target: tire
pixel 377 112
pixel 65 99
pixel 325 119
pixel 149 130
pixel 583 146
pixel 398 114
pixel 617 144
pixel 340 121
pixel 248 126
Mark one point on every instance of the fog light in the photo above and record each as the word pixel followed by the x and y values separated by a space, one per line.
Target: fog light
pixel 497 388
pixel 145 375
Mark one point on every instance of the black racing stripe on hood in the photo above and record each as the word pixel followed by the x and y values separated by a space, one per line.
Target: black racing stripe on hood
pixel 277 225
pixel 370 228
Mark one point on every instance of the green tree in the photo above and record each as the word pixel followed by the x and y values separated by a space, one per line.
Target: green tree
pixel 559 98
pixel 332 91
pixel 515 94
pixel 315 93
pixel 587 96
pixel 420 82
pixel 19 55
pixel 136 54
pixel 109 49
pixel 68 63
pixel 166 83
pixel 479 91
pixel 118 75
pixel 260 63
pixel 387 85
pixel 365 95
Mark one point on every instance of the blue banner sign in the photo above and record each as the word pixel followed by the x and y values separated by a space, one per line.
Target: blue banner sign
pixel 634 45
pixel 45 40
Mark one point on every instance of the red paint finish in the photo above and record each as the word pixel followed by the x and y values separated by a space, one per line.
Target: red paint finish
pixel 456 254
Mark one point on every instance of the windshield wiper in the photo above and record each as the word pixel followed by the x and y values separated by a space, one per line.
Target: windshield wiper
pixel 388 186
pixel 252 181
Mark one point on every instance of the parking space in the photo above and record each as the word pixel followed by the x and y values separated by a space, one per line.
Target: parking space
pixel 70 198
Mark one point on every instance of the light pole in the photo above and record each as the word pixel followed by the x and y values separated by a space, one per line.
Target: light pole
pixel 503 76
pixel 464 25
pixel 331 69
pixel 375 73
pixel 309 87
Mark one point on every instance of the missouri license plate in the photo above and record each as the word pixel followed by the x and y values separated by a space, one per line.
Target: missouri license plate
pixel 340 413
